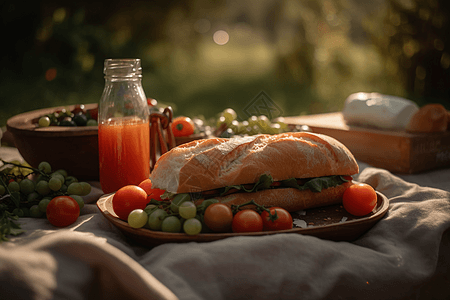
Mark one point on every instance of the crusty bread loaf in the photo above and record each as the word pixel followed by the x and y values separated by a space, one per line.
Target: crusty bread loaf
pixel 290 199
pixel 429 118
pixel 215 163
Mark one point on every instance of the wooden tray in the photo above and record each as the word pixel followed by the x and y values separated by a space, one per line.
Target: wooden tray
pixel 325 222
pixel 396 151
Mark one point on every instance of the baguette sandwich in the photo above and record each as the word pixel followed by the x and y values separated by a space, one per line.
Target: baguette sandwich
pixel 295 171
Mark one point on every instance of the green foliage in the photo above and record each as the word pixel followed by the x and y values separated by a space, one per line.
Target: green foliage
pixel 307 55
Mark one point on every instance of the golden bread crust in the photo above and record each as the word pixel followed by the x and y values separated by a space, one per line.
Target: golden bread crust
pixel 290 199
pixel 214 163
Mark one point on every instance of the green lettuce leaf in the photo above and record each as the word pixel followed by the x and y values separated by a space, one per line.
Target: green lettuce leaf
pixel 315 184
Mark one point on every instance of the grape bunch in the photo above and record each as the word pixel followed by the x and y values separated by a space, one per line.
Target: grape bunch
pixel 26 191
pixel 227 124
pixel 79 116
pixel 253 125
pixel 175 216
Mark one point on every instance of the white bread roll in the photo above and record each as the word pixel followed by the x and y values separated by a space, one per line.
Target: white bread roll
pixel 215 163
pixel 378 110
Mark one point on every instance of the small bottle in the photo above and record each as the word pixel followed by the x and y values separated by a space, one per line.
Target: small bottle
pixel 123 126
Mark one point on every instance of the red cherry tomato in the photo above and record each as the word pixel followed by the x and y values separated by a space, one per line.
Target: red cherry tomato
pixel 182 126
pixel 94 113
pixel 152 193
pixel 283 221
pixel 359 199
pixel 218 217
pixel 62 211
pixel 247 220
pixel 127 199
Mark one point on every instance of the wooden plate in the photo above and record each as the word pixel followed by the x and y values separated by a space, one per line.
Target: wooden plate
pixel 325 222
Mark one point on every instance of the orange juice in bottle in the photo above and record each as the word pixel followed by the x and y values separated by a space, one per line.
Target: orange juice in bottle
pixel 123 130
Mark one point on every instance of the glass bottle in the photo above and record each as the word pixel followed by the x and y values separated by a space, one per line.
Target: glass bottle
pixel 123 126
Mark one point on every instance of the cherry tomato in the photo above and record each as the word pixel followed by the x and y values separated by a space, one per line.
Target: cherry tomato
pixel 79 108
pixel 94 113
pixel 247 220
pixel 359 199
pixel 152 193
pixel 62 211
pixel 151 102
pixel 218 217
pixel 283 221
pixel 182 126
pixel 127 199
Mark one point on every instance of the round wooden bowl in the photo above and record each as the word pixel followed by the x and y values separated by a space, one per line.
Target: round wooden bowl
pixel 74 149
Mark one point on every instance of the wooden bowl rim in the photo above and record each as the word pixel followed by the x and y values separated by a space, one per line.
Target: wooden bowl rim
pixel 22 124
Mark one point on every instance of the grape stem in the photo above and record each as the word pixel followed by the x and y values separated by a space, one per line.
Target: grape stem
pixel 22 166
pixel 259 209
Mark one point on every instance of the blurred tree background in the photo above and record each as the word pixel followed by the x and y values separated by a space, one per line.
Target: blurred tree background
pixel 203 56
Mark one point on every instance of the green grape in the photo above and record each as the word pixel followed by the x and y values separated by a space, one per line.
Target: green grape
pixel 32 196
pixel 75 188
pixel 43 204
pixel 275 128
pixel 137 218
pixel 284 127
pixel 79 200
pixel 252 121
pixel 39 178
pixel 70 179
pixel 62 172
pixel 155 219
pixel 54 184
pixel 187 210
pixel 171 224
pixel 14 186
pixel 220 121
pixel 2 190
pixel 177 200
pixel 91 122
pixel 35 211
pixel 18 212
pixel 86 188
pixel 230 115
pixel 234 126
pixel 242 127
pixel 44 121
pixel 45 167
pixel 192 226
pixel 42 188
pixel 58 176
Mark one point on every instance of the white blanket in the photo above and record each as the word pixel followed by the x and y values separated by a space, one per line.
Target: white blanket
pixel 406 255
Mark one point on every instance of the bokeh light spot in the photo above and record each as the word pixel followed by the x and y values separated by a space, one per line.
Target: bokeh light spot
pixel 50 74
pixel 221 37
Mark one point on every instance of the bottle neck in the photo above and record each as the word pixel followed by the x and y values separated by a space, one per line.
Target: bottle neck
pixel 134 78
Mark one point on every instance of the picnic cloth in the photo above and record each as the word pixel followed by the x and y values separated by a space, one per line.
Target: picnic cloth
pixel 406 255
